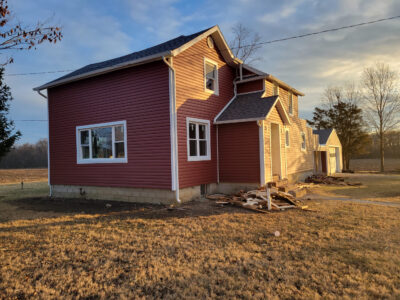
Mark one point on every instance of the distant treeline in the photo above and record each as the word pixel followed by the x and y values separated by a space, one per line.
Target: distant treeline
pixel 26 156
pixel 392 146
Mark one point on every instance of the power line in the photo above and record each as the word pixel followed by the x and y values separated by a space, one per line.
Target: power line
pixel 260 43
pixel 30 120
pixel 38 73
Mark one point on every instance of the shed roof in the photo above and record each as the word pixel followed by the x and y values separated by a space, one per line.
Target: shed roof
pixel 323 135
pixel 247 107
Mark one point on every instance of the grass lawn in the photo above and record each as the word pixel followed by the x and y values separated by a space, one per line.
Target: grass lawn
pixel 15 176
pixel 86 249
pixel 376 187
pixel 81 249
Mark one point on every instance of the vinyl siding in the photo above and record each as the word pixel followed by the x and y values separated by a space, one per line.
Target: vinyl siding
pixel 239 152
pixel 250 86
pixel 139 95
pixel 193 101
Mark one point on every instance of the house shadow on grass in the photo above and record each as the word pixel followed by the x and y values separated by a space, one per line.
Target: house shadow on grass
pixel 87 211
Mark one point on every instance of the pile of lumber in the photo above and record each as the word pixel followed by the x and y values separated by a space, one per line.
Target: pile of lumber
pixel 332 180
pixel 259 200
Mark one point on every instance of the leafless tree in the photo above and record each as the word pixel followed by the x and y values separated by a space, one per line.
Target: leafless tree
pixel 245 43
pixel 15 36
pixel 347 92
pixel 381 101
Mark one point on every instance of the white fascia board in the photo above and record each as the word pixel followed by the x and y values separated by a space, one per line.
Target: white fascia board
pixel 124 65
pixel 239 121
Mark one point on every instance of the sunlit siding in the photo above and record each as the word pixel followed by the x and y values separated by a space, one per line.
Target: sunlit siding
pixel 239 154
pixel 250 86
pixel 193 101
pixel 139 95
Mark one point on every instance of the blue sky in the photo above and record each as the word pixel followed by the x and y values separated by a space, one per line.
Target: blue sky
pixel 99 30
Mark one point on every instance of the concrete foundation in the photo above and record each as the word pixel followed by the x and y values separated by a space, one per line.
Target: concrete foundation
pixel 299 176
pixel 138 195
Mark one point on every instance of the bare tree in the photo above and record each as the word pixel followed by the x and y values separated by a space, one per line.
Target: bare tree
pixel 245 43
pixel 381 101
pixel 15 36
pixel 348 93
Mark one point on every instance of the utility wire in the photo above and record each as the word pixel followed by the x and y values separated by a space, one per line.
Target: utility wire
pixel 260 43
pixel 29 120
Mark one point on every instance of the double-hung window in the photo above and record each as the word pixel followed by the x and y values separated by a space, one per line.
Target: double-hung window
pixel 303 141
pixel 101 143
pixel 287 138
pixel 198 139
pixel 211 76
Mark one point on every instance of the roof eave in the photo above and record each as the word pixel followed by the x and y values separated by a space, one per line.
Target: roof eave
pixel 238 121
pixel 124 65
pixel 220 41
pixel 283 84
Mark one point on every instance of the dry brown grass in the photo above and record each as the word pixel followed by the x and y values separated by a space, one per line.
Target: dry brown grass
pixel 373 165
pixel 10 176
pixel 344 250
pixel 375 187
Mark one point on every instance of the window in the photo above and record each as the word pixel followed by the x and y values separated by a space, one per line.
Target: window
pixel 303 141
pixel 276 90
pixel 210 76
pixel 101 143
pixel 291 103
pixel 198 139
pixel 287 138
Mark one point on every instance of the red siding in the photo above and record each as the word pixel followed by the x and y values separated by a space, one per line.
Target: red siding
pixel 139 95
pixel 193 101
pixel 239 158
pixel 250 86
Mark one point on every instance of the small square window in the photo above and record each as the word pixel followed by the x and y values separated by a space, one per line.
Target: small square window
pixel 211 76
pixel 276 90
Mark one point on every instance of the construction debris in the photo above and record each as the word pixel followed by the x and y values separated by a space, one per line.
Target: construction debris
pixel 331 180
pixel 261 200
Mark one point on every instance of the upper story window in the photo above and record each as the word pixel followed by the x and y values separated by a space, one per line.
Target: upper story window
pixel 291 103
pixel 198 139
pixel 211 76
pixel 303 141
pixel 287 138
pixel 276 89
pixel 101 143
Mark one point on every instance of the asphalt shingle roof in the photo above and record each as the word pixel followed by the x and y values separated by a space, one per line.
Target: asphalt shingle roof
pixel 160 48
pixel 323 135
pixel 248 106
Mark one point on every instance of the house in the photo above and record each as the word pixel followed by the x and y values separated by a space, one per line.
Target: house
pixel 175 121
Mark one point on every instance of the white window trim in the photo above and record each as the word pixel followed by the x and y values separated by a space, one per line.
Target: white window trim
pixel 216 92
pixel 208 139
pixel 291 100
pixel 305 141
pixel 79 158
pixel 276 89
pixel 288 131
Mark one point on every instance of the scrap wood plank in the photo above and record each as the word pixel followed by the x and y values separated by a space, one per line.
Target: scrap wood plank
pixel 240 204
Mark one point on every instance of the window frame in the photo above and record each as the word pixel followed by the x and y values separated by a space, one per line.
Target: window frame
pixel 305 141
pixel 287 138
pixel 208 139
pixel 216 91
pixel 291 104
pixel 91 160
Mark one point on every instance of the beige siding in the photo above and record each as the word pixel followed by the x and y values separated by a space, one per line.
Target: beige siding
pixel 293 158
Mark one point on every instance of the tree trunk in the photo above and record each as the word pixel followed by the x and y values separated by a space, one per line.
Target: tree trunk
pixel 381 135
pixel 348 163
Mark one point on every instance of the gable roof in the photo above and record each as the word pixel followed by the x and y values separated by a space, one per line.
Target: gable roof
pixel 250 107
pixel 323 135
pixel 169 48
